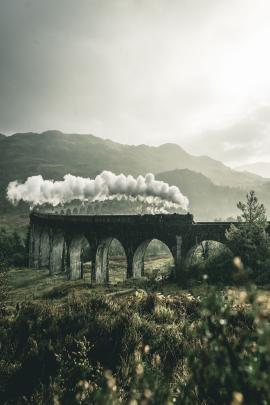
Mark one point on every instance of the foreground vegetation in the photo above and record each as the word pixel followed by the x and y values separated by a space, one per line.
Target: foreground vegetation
pixel 90 345
pixel 202 339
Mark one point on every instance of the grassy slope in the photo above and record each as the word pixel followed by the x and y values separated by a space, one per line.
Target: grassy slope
pixel 31 284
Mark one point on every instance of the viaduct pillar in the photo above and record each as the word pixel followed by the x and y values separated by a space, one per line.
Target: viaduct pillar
pixel 59 241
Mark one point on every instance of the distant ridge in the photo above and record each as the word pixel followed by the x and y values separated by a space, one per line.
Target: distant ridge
pixel 206 200
pixel 88 154
pixel 212 187
pixel 259 168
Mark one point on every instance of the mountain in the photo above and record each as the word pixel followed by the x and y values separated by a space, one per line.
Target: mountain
pixel 259 168
pixel 53 154
pixel 206 199
pixel 207 182
pixel 2 136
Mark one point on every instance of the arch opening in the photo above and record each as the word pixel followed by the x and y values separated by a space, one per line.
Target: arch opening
pixel 79 259
pixel 89 209
pixel 117 262
pixel 207 251
pixel 82 210
pixel 153 259
pixel 212 258
pixel 111 262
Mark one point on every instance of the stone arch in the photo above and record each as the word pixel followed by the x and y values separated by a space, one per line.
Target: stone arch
pixel 89 209
pixel 77 246
pixel 206 250
pixel 62 212
pixel 138 259
pixel 82 210
pixel 68 211
pixel 102 260
pixel 138 263
pixel 117 262
pixel 75 211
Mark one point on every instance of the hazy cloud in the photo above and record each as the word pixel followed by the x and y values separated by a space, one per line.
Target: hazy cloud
pixel 245 141
pixel 136 71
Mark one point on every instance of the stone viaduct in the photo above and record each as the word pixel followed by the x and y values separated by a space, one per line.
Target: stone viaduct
pixel 56 241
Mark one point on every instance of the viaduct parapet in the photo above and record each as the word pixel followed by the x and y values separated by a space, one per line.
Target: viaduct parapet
pixel 57 241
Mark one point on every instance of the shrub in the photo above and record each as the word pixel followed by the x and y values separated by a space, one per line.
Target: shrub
pixel 13 248
pixel 3 283
pixel 230 354
pixel 249 239
pixel 153 349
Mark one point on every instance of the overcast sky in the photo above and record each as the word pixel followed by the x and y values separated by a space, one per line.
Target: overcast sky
pixel 194 72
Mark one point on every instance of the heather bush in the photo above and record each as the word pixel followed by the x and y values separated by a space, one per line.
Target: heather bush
pixel 144 349
pixel 230 352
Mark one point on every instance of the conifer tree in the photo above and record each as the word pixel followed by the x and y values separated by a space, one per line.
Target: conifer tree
pixel 249 239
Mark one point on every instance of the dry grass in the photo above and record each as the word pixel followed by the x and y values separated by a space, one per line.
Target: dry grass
pixel 31 284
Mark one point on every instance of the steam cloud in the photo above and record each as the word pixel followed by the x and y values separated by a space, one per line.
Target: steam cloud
pixel 38 191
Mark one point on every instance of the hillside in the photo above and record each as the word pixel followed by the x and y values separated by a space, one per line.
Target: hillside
pixel 259 168
pixel 54 154
pixel 207 201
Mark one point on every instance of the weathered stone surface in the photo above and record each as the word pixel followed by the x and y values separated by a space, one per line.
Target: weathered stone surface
pixel 34 245
pixel 179 232
pixel 45 248
pixel 75 269
pixel 102 261
pixel 138 259
pixel 56 254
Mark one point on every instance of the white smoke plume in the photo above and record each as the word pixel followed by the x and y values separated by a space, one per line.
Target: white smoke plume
pixel 36 191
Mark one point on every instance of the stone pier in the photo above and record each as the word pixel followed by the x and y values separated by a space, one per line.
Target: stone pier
pixel 57 241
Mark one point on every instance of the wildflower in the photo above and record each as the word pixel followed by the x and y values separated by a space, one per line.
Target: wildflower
pixel 260 299
pixel 111 383
pixel 242 296
pixel 147 393
pixel 139 369
pixel 107 374
pixel 238 263
pixel 238 398
pixel 56 400
pixel 137 355
pixel 146 349
pixel 222 322
pixel 156 359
